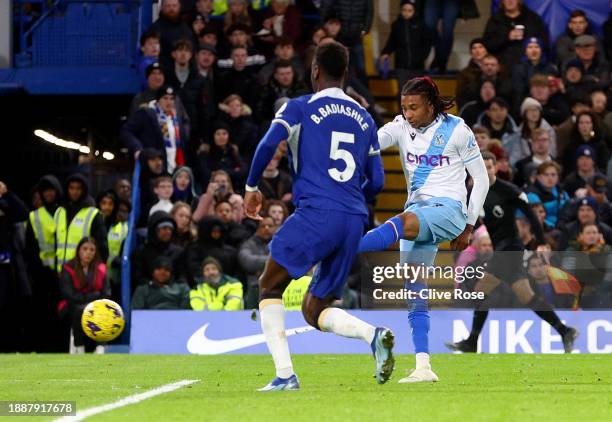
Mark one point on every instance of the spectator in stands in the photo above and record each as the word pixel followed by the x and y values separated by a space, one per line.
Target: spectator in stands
pixel 574 83
pixel 497 120
pixel 447 11
pixel 243 131
pixel 160 127
pixel 282 20
pixel 410 40
pixel 492 70
pixel 356 18
pixel 238 13
pixel 252 257
pixel 186 80
pixel 534 62
pixel 211 242
pixel 504 170
pixel 277 210
pixel 239 35
pixel 123 187
pixel 154 81
pixel 239 79
pixel 283 51
pixel 186 231
pixel 598 189
pixel 224 155
pixel 78 218
pixel 198 24
pixel 538 150
pixel 550 288
pixel 206 60
pixel 471 110
pixel 284 84
pixel 483 137
pixel 83 280
pixel 162 186
pixel 216 291
pixel 585 170
pixel 578 104
pixel 220 185
pixel 161 291
pixel 469 76
pixel 599 99
pixel 149 47
pixel 235 233
pixel 204 8
pixel 116 235
pixel 171 29
pixel 160 233
pixel 107 203
pixel 509 27
pixel 546 190
pixel 595 66
pixel 554 105
pixel 275 183
pixel 525 232
pixel 586 132
pixel 586 212
pixel 152 167
pixel 577 25
pixel 209 36
pixel 183 187
pixel 531 114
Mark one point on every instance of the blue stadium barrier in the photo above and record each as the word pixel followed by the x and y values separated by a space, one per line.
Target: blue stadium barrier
pixel 128 247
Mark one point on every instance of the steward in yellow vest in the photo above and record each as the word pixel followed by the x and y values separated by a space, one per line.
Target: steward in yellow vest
pixel 76 219
pixel 216 291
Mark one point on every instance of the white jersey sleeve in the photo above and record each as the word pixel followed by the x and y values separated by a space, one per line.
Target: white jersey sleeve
pixel 390 134
pixel 467 147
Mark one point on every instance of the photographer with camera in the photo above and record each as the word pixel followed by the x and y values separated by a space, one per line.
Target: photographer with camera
pixel 219 189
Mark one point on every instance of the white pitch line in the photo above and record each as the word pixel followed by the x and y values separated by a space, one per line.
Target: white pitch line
pixel 133 399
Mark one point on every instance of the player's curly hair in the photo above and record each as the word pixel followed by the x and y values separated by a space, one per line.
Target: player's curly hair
pixel 426 87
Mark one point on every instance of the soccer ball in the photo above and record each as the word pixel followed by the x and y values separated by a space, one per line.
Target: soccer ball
pixel 102 320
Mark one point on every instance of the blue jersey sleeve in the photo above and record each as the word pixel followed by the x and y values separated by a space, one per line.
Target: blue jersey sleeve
pixel 289 115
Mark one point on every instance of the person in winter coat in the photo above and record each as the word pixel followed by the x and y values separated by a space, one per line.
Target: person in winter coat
pixel 83 280
pixel 224 155
pixel 219 188
pixel 161 291
pixel 184 186
pixel 534 61
pixel 507 29
pixel 410 40
pixel 171 29
pixel 242 129
pixel 78 218
pixel 161 231
pixel 577 25
pixel 547 191
pixel 586 131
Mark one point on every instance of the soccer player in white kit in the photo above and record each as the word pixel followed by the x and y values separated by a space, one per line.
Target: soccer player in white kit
pixel 436 149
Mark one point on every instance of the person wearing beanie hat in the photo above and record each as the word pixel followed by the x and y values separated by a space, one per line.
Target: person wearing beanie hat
pixel 215 290
pixel 533 62
pixel 468 77
pixel 161 228
pixel 161 291
pixel 586 169
pixel 585 211
pixel 223 154
pixel 410 41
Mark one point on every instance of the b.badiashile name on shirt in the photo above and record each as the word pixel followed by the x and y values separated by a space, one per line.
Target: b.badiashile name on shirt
pixel 330 109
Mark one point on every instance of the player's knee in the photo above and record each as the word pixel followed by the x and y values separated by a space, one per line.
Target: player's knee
pixel 311 312
pixel 410 224
pixel 267 291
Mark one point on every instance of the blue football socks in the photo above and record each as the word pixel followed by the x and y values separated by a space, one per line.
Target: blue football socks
pixel 383 236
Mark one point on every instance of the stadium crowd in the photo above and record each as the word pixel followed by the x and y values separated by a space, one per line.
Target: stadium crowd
pixel 214 73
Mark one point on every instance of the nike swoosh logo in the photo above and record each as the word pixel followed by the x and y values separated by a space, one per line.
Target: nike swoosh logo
pixel 199 344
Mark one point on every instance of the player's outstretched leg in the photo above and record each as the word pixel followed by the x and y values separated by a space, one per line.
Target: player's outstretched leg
pixel 273 282
pixel 526 296
pixel 402 226
pixel 320 315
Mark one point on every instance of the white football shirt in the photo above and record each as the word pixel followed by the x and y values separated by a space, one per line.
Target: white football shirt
pixel 433 158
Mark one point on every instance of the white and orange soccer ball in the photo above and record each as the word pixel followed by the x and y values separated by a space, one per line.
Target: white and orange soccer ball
pixel 103 320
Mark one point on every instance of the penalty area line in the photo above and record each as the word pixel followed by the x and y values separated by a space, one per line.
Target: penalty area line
pixel 126 401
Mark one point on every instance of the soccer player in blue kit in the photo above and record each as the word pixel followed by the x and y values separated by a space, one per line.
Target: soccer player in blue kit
pixel 334 156
pixel 436 149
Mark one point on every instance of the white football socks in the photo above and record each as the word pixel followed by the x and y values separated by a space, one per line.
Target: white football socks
pixel 272 314
pixel 422 361
pixel 338 321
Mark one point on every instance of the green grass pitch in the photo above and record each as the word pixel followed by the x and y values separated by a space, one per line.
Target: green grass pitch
pixel 334 387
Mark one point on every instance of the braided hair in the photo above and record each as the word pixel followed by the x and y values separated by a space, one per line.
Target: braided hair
pixel 426 87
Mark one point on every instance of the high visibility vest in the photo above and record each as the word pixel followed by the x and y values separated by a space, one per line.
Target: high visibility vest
pixel 116 235
pixel 295 292
pixel 260 4
pixel 219 7
pixel 68 237
pixel 43 226
pixel 227 296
